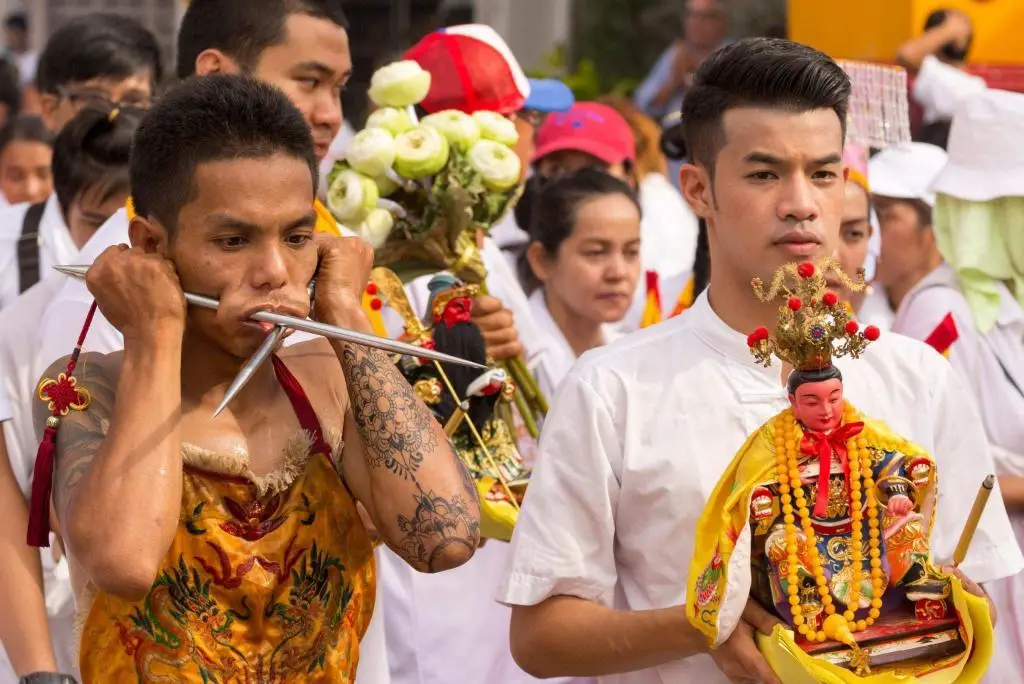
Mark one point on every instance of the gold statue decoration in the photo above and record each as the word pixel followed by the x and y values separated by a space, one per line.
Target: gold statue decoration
pixel 824 518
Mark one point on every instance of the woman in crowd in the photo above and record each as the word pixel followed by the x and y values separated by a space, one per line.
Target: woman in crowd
pixel 90 178
pixel 582 265
pixel 26 150
pixel 855 234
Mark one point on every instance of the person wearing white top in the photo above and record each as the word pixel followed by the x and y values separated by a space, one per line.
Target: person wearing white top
pixel 90 176
pixel 988 357
pixel 642 429
pixel 582 265
pixel 55 246
pixel 937 57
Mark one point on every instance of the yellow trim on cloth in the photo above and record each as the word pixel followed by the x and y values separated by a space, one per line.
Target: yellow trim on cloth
pixel 713 603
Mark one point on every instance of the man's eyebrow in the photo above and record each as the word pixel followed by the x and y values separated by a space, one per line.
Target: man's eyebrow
pixel 762 158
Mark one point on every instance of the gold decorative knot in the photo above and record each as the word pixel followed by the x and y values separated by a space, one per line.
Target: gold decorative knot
pixel 63 394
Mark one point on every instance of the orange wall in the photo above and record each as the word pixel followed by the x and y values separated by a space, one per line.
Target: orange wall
pixel 874 29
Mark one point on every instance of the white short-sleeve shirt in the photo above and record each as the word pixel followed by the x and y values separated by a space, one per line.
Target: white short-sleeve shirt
pixel 641 430
pixel 55 245
pixel 939 88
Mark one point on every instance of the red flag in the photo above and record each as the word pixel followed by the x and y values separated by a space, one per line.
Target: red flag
pixel 943 337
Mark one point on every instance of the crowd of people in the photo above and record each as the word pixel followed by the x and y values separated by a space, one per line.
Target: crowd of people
pixel 324 527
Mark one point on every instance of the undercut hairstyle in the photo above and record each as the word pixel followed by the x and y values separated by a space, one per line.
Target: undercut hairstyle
pixel 25 128
pixel 97 46
pixel 771 73
pixel 93 151
pixel 804 377
pixel 209 119
pixel 243 29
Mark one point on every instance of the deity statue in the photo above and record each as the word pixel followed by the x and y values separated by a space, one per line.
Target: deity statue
pixel 831 511
pixel 473 406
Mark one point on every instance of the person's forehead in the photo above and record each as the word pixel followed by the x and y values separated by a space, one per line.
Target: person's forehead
pixel 314 40
pixel 782 131
pixel 140 79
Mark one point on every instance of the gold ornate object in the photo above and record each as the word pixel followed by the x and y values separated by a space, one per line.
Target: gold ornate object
pixel 442 298
pixel 428 390
pixel 813 325
pixel 393 292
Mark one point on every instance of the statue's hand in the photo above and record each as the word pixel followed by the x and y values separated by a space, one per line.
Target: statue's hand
pixel 971 587
pixel 900 505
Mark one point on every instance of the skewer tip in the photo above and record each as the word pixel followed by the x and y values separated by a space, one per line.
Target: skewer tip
pixel 73 271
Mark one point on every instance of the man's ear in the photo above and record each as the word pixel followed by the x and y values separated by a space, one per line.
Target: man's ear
pixel 48 105
pixel 214 61
pixel 148 235
pixel 695 184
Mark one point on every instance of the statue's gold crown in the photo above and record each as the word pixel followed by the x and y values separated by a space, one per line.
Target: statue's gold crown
pixel 814 326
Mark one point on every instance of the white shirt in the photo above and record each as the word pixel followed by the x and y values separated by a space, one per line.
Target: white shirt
pixel 55 245
pixel 875 309
pixel 560 357
pixel 61 325
pixel 18 348
pixel 642 430
pixel 939 88
pixel 982 361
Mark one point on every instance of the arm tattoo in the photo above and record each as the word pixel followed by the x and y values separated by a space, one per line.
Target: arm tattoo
pixel 81 432
pixel 397 431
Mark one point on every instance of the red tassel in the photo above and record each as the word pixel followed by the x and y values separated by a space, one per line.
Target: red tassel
pixel 42 482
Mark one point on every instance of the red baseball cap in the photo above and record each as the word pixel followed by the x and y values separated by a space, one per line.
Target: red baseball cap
pixel 473 69
pixel 589 127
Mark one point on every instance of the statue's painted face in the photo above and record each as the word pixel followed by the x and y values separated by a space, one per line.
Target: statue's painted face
pixel 819 405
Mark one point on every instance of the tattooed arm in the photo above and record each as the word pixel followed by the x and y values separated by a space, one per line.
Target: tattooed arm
pixel 117 479
pixel 403 467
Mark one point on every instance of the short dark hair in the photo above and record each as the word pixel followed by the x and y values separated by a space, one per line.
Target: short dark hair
pixel 243 29
pixel 97 46
pixel 804 377
pixel 922 210
pixel 207 119
pixel 950 51
pixel 10 88
pixel 94 149
pixel 759 72
pixel 16 20
pixel 25 127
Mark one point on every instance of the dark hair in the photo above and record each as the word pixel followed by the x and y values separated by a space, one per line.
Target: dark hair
pixel 243 29
pixel 94 149
pixel 97 46
pixel 950 51
pixel 16 20
pixel 212 118
pixel 804 377
pixel 701 259
pixel 922 209
pixel 759 72
pixel 10 88
pixel 27 128
pixel 550 217
pixel 935 133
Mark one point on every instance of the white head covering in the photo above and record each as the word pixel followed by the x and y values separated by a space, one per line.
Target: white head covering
pixel 986 148
pixel 907 172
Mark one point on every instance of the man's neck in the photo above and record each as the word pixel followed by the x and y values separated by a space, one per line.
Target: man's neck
pixel 581 334
pixel 738 306
pixel 899 290
pixel 207 371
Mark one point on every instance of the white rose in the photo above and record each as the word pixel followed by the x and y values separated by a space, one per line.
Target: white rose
pixel 351 197
pixel 372 152
pixel 494 126
pixel 399 84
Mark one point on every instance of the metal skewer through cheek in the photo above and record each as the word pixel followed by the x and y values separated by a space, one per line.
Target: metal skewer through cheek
pixel 316 328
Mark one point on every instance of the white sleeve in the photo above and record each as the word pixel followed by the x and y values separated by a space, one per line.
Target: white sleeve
pixel 939 88
pixel 963 458
pixel 62 324
pixel 5 402
pixel 564 539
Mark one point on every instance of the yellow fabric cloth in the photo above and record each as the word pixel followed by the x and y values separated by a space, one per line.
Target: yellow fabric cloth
pixel 984 243
pixel 275 587
pixel 722 522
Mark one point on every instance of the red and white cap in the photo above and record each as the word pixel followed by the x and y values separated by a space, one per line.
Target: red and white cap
pixel 473 69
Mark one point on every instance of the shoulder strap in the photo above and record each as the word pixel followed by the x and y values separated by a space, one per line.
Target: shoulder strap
pixel 300 404
pixel 28 247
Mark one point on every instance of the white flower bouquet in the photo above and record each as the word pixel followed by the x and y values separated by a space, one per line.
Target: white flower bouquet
pixel 422 191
